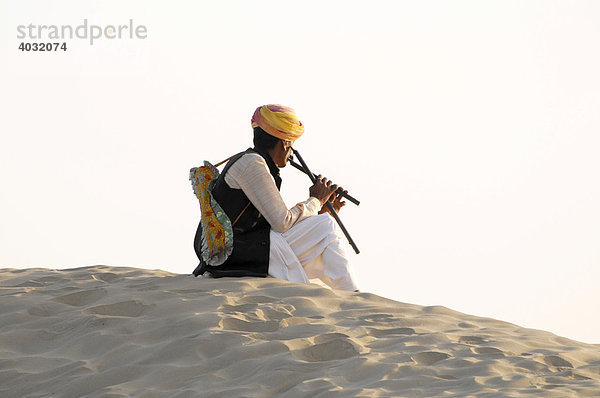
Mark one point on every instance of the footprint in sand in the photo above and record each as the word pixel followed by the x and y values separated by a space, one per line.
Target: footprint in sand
pixel 488 351
pixel 429 357
pixel 79 299
pixel 132 309
pixel 471 340
pixel 329 347
pixel 448 377
pixel 240 325
pixel 556 361
pixel 263 306
pixel 46 309
pixel 390 332
pixel 243 308
pixel 275 315
pixel 376 317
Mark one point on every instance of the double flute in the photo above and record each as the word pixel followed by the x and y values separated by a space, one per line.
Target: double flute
pixel 313 177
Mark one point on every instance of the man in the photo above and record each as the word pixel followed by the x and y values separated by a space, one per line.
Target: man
pixel 294 244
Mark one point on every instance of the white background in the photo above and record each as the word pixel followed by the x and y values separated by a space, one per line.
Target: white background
pixel 468 130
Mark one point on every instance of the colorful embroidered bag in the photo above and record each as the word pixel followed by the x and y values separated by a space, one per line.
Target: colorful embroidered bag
pixel 217 232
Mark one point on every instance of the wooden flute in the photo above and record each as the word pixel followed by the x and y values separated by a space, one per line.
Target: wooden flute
pixel 338 191
pixel 313 178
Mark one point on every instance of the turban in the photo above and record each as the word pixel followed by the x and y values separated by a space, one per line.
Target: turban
pixel 279 121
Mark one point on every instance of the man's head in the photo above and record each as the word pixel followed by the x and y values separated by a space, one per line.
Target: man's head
pixel 276 127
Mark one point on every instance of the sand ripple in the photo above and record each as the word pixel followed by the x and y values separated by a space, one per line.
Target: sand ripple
pixel 121 332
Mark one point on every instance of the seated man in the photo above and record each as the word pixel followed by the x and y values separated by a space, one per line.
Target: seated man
pixel 294 244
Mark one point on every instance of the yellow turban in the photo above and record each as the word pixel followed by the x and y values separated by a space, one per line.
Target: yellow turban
pixel 279 121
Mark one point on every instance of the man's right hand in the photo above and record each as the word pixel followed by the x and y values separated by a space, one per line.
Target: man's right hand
pixel 323 189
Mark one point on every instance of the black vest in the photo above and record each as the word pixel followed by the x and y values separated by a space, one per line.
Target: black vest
pixel 251 241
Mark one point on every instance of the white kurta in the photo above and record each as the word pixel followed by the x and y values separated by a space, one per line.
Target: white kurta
pixel 304 245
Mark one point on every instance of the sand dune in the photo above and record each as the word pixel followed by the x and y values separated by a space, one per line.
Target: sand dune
pixel 121 332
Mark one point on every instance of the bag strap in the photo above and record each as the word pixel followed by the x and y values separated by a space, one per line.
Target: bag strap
pixel 238 217
pixel 244 209
pixel 220 163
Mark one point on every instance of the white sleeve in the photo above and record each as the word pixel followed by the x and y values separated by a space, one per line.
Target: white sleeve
pixel 251 174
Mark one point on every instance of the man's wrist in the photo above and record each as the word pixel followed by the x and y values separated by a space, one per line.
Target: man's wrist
pixel 315 203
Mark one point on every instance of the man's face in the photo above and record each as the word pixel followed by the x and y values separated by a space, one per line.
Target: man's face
pixel 284 153
pixel 287 145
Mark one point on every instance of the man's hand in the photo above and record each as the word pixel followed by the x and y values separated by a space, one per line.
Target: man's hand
pixel 323 189
pixel 336 202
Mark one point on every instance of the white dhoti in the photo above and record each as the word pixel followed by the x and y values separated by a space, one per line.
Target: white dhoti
pixel 311 249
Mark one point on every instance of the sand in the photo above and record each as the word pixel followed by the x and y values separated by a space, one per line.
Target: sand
pixel 126 332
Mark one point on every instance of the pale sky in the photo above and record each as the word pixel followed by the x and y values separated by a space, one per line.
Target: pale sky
pixel 469 130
